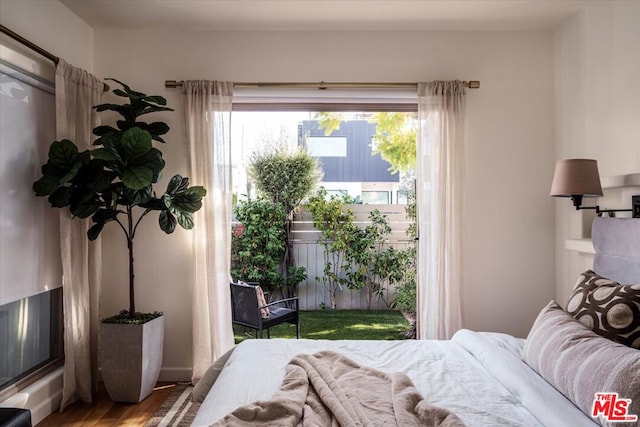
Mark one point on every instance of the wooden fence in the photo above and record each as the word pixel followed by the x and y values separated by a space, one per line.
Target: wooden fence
pixel 309 254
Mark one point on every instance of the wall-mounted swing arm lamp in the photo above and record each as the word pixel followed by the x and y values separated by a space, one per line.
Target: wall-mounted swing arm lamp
pixel 579 178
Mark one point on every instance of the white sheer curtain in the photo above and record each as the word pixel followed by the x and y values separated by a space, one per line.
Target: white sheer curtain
pixel 207 106
pixel 439 197
pixel 76 93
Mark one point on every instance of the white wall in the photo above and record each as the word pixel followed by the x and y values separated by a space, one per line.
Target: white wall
pixel 597 108
pixel 509 247
pixel 52 26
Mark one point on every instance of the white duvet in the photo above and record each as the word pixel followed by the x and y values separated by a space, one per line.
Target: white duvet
pixel 479 376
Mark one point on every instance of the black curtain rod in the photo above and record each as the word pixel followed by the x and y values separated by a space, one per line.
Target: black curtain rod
pixel 17 37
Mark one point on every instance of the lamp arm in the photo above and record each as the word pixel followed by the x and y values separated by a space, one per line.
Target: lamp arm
pixel 599 211
pixel 577 202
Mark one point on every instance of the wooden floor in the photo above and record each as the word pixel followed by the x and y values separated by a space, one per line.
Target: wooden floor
pixel 103 412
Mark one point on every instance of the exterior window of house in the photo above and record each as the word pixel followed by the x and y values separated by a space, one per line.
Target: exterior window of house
pixel 327 146
pixel 402 197
pixel 376 197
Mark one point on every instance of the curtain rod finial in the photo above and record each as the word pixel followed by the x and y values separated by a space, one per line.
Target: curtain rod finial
pixel 172 83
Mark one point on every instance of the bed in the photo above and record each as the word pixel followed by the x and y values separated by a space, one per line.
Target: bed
pixel 482 378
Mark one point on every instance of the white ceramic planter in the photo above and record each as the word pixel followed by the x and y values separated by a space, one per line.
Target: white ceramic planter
pixel 131 358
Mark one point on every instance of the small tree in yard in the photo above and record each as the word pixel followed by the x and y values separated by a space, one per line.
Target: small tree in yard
pixel 406 297
pixel 385 264
pixel 258 245
pixel 285 179
pixel 359 257
pixel 345 245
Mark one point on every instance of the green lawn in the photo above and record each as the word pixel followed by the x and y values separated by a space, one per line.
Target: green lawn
pixel 339 325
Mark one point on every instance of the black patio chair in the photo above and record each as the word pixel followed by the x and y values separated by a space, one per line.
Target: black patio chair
pixel 246 310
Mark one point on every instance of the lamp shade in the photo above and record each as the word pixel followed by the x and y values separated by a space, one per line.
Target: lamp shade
pixel 576 177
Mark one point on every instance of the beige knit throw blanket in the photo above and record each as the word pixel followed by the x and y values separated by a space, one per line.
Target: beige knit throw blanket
pixel 328 389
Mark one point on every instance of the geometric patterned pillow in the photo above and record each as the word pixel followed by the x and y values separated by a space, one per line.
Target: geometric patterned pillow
pixel 607 308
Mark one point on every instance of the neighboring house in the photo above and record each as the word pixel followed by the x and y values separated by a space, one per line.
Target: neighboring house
pixel 348 163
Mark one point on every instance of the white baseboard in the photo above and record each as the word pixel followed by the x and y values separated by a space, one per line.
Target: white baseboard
pixel 41 398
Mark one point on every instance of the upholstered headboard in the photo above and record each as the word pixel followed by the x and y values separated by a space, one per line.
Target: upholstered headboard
pixel 617 245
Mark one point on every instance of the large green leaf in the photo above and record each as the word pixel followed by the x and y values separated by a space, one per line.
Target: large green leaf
pixel 96 177
pixel 112 139
pixel 104 154
pixel 63 154
pixel 196 191
pixel 84 209
pixel 189 200
pixel 167 200
pixel 106 215
pixel 124 85
pixel 94 231
pixel 177 184
pixel 181 197
pixel 101 218
pixel 112 107
pixel 137 177
pixel 156 99
pixel 135 143
pixel 152 160
pixel 127 92
pixel 146 108
pixel 154 204
pixel 167 222
pixel 120 92
pixel 124 125
pixel 155 129
pixel 64 164
pixel 185 219
pixel 45 185
pixel 110 144
pixel 71 173
pixel 51 170
pixel 183 203
pixel 61 197
pixel 138 197
pixel 103 130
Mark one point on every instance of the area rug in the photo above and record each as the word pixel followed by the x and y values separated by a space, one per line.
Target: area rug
pixel 177 410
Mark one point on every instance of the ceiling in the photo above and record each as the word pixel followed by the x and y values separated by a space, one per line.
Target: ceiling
pixel 327 15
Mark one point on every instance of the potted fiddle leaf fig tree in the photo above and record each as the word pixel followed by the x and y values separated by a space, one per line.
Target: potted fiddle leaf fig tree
pixel 113 183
